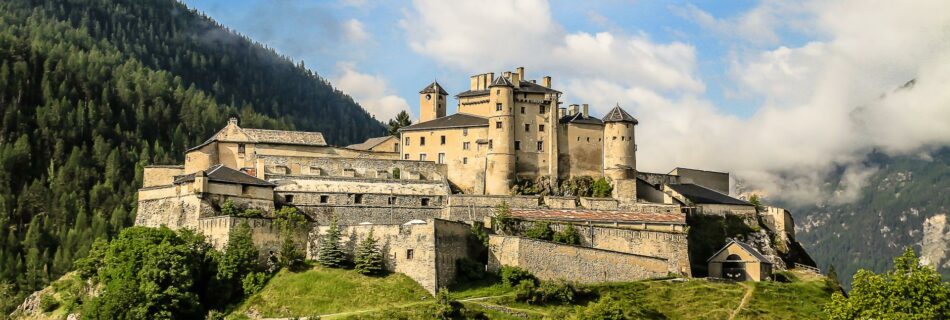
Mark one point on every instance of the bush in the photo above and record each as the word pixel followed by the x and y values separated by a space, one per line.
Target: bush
pixel 469 270
pixel 512 276
pixel 502 219
pixel 568 236
pixel 612 308
pixel 541 230
pixel 548 292
pixel 48 303
pixel 253 282
pixel 446 308
pixel 601 188
pixel 785 276
pixel 215 315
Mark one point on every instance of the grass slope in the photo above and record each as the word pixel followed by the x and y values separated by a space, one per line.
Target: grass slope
pixel 324 290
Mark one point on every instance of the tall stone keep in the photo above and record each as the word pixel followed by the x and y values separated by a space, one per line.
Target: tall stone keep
pixel 432 102
pixel 620 147
pixel 500 169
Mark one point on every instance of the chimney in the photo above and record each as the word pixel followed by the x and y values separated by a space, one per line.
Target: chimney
pixel 546 81
pixel 516 79
pixel 521 72
pixel 233 121
pixel 507 75
pixel 572 110
pixel 586 111
pixel 491 77
pixel 560 112
pixel 474 83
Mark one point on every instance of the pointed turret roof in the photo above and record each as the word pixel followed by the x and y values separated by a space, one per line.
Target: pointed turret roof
pixel 501 81
pixel 435 87
pixel 618 115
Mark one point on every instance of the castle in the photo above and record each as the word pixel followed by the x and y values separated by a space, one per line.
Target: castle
pixel 422 191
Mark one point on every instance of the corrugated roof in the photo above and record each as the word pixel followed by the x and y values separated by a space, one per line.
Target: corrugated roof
pixel 458 120
pixel 220 173
pixel 580 118
pixel 434 87
pixel 702 195
pixel 598 215
pixel 619 115
pixel 369 143
pixel 746 247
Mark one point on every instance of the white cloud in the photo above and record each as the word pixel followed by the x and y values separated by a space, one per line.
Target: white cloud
pixel 353 31
pixel 822 108
pixel 370 91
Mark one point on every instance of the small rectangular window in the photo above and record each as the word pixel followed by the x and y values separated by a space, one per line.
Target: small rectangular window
pixel 527 127
pixel 622 138
pixel 392 200
pixel 324 199
pixel 289 198
pixel 441 159
pixel 357 198
pixel 407 141
pixel 517 145
pixel 498 124
pixel 466 145
pixel 241 148
pixel 465 160
pixel 489 144
pixel 522 110
pixel 425 202
pixel 540 145
pixel 542 110
pixel 422 141
pixel 588 139
pixel 498 107
pixel 442 140
pixel 540 128
pixel 409 254
pixel 464 132
pixel 406 157
pixel 422 157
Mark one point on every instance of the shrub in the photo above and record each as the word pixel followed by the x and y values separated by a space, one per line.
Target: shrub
pixel 785 276
pixel 548 292
pixel 568 236
pixel 229 209
pixel 469 270
pixel 601 188
pixel 612 308
pixel 446 308
pixel 541 230
pixel 253 282
pixel 369 259
pixel 503 220
pixel 215 315
pixel 48 303
pixel 512 276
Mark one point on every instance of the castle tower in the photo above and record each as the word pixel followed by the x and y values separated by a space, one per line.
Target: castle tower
pixel 620 148
pixel 432 102
pixel 500 169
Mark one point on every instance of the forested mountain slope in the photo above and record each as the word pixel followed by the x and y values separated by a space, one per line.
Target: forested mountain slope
pixel 92 90
pixel 904 203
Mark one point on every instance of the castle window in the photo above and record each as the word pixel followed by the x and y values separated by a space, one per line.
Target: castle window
pixel 588 139
pixel 407 141
pixel 540 145
pixel 442 140
pixel 498 107
pixel 615 137
pixel 324 198
pixel 622 138
pixel 357 198
pixel 241 148
pixel 522 110
pixel 425 202
pixel 527 127
pixel 441 159
pixel 422 157
pixel 578 138
pixel 517 145
pixel 465 160
pixel 422 141
pixel 464 132
pixel 406 157
pixel 466 145
pixel 489 144
pixel 498 124
pixel 542 110
pixel 289 198
pixel 540 128
pixel 628 126
pixel 392 200
pixel 408 254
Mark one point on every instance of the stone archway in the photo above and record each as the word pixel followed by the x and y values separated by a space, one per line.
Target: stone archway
pixel 733 268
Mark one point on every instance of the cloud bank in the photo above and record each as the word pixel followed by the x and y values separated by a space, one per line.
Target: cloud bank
pixel 371 91
pixel 825 103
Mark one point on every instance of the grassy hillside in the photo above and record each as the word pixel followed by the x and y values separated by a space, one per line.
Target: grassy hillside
pixel 344 294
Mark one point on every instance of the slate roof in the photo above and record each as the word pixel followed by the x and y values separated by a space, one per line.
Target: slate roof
pixel 220 173
pixel 702 195
pixel 274 137
pixel 531 87
pixel 523 87
pixel 618 115
pixel 472 93
pixel 580 118
pixel 598 216
pixel 745 246
pixel 501 81
pixel 458 120
pixel 369 143
pixel 435 87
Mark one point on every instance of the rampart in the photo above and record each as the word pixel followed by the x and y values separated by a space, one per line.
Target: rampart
pixel 552 261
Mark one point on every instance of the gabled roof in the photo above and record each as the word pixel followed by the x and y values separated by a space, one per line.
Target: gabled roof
pixel 220 173
pixel 434 87
pixel 702 195
pixel 472 93
pixel 501 81
pixel 458 120
pixel 369 143
pixel 580 118
pixel 531 87
pixel 272 136
pixel 745 247
pixel 618 115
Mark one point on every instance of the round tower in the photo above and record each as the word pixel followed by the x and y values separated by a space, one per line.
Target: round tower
pixel 500 167
pixel 620 147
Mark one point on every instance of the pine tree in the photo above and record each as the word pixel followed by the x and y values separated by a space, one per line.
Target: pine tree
pixel 401 120
pixel 331 252
pixel 369 259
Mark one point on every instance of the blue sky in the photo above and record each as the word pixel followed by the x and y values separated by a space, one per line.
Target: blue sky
pixel 777 92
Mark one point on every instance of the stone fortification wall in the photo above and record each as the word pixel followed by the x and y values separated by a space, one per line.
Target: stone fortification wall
pixel 599 203
pixel 265 234
pixel 670 245
pixel 478 207
pixel 160 175
pixel 552 261
pixel 424 252
pixel 356 214
pixel 352 167
pixel 560 202
pixel 747 213
pixel 163 206
pixel 657 178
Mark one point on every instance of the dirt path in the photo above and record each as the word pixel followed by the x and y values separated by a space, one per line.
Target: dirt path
pixel 745 299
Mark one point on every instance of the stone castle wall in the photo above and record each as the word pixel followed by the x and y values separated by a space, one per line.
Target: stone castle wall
pixel 266 235
pixel 552 261
pixel 477 207
pixel 670 245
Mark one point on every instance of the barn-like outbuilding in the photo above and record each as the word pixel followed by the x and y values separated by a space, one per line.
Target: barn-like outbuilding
pixel 739 261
